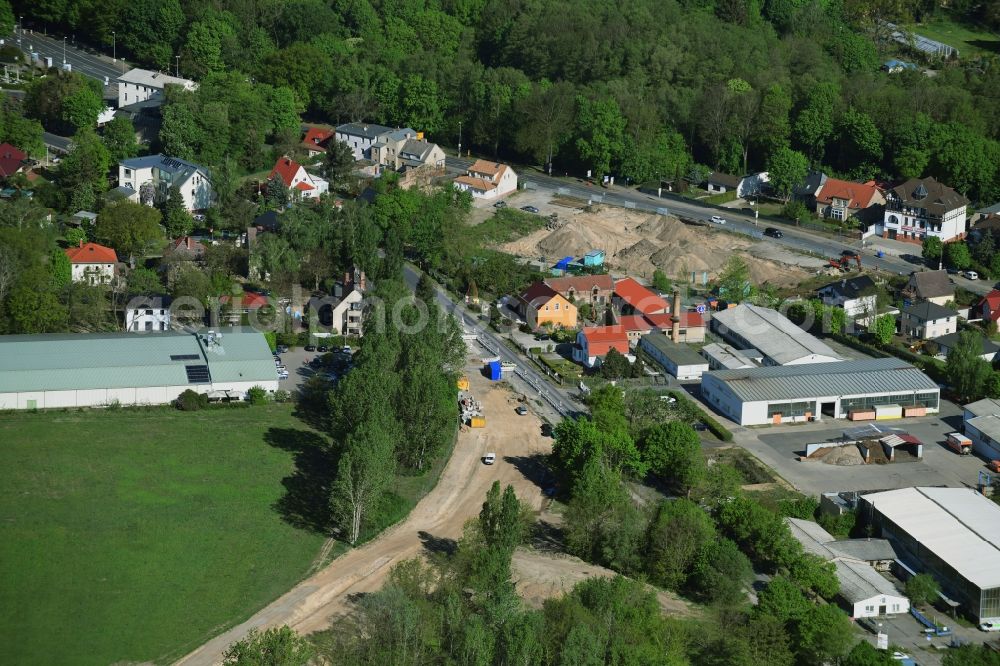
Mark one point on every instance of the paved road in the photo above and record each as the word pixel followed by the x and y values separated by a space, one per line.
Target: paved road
pixel 89 64
pixel 794 238
pixel 560 400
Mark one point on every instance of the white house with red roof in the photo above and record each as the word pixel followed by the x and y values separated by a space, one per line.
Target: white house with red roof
pixel 630 297
pixel 989 307
pixel 841 200
pixel 316 140
pixel 593 344
pixel 297 179
pixel 487 180
pixel 11 160
pixel 692 326
pixel 92 263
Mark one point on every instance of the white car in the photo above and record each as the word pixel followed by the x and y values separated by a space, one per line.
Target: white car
pixel 718 219
pixel 283 374
pixel 971 275
pixel 489 458
pixel 993 625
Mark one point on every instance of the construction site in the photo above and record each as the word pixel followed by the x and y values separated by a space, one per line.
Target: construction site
pixel 867 445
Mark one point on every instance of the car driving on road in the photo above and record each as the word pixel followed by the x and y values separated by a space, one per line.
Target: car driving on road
pixel 773 233
pixel 970 275
pixel 718 219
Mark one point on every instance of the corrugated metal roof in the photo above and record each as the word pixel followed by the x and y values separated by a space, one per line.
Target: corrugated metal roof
pixel 958 525
pixel 984 407
pixel 843 378
pixel 55 362
pixel 728 356
pixel 678 353
pixel 776 336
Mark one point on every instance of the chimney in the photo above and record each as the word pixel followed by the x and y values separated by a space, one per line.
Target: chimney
pixel 81 243
pixel 190 242
pixel 347 279
pixel 361 282
pixel 675 317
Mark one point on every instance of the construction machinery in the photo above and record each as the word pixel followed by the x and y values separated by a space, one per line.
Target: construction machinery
pixel 843 262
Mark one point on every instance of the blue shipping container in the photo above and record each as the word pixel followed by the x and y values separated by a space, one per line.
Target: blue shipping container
pixel 494 371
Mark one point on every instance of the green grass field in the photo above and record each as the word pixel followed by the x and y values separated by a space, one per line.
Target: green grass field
pixel 968 39
pixel 137 535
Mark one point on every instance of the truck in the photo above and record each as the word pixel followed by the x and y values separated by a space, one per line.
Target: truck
pixel 959 443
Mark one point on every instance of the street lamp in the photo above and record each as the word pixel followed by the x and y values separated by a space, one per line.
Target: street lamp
pixel 177 66
pixel 20 28
pixel 459 138
pixel 114 47
pixel 64 50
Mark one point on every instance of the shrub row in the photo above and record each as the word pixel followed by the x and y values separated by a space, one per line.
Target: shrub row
pixel 713 426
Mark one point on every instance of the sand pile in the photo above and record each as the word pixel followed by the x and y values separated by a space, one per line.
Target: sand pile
pixel 639 243
pixel 844 456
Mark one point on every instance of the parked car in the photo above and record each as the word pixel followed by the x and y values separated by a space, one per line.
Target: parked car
pixel 989 626
pixel 345 349
pixel 718 219
pixel 529 209
pixel 489 458
pixel 970 275
pixel 282 349
pixel 700 426
pixel 521 410
pixel 322 349
pixel 310 348
pixel 500 204
pixel 283 374
pixel 773 233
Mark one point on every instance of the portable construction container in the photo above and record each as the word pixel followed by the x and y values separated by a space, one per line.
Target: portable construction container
pixel 493 370
pixel 477 422
pixel 959 443
pixel 463 383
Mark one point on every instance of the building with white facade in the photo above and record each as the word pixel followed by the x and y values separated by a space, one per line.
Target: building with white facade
pixel 779 340
pixel 487 180
pixel 856 296
pixel 405 148
pixel 926 320
pixel 923 207
pixel 798 393
pixel 865 592
pixel 101 369
pixel 92 263
pixel 162 174
pixel 302 183
pixel 147 313
pixel 677 359
pixel 360 137
pixel 140 85
pixel 953 534
pixel 981 421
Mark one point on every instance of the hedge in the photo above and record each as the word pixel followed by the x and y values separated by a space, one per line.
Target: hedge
pixel 713 426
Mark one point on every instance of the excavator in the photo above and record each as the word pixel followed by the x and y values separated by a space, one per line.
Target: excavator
pixel 843 262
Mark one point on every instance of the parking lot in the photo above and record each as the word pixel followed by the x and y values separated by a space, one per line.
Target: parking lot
pixel 297 362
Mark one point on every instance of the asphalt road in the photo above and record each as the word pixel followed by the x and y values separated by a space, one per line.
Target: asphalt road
pixel 736 221
pixel 560 400
pixel 90 64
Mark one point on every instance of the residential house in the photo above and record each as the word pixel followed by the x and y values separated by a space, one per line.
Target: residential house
pixel 406 149
pixel 594 343
pixel 894 66
pixel 316 140
pixel 11 160
pixel 81 218
pixel 986 224
pixel 923 207
pixel 297 179
pixel 163 174
pixel 855 295
pixel 630 297
pixel 146 118
pixel 92 263
pixel 342 313
pixel 593 289
pixel 242 304
pixel 926 320
pixel 843 200
pixel 541 305
pixel 360 137
pixel 807 190
pixel 487 180
pixel 744 186
pixel 184 248
pixel 148 313
pixel 933 286
pixel 989 307
pixel 947 342
pixel 141 85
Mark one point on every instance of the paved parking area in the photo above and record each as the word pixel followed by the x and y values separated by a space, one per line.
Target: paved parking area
pixel 297 362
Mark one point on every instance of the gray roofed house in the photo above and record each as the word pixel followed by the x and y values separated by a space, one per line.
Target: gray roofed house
pixel 930 195
pixel 946 343
pixel 927 320
pixel 843 378
pixel 78 370
pixel 774 335
pixel 166 173
pixel 848 287
pixel 722 182
pixel 678 359
pixel 360 137
pixel 934 286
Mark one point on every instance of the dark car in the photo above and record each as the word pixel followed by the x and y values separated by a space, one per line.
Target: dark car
pixel 529 209
pixel 322 349
pixel 700 426
pixel 282 349
pixel 848 253
pixel 773 233
pixel 500 204
pixel 310 348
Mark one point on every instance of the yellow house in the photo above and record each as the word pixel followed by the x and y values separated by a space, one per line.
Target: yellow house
pixel 541 305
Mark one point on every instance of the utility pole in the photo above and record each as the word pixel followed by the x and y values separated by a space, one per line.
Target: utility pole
pixel 114 47
pixel 64 50
pixel 177 66
pixel 20 28
pixel 459 138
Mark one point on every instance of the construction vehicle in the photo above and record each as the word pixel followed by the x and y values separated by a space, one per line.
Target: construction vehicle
pixel 463 383
pixel 959 443
pixel 994 465
pixel 843 262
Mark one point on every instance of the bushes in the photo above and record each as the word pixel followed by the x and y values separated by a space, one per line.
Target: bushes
pixel 191 401
pixel 257 396
pixel 713 426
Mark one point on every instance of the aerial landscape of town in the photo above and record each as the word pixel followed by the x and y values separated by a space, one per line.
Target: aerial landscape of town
pixel 500 332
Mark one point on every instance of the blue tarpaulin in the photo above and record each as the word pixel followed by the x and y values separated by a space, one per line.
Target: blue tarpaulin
pixel 564 263
pixel 494 371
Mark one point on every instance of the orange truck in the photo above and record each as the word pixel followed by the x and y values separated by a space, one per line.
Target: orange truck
pixel 959 443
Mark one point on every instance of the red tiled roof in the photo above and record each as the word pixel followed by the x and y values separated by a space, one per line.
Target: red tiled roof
pixel 248 300
pixel 476 183
pixel 640 298
pixel 10 159
pixel 992 299
pixel 857 195
pixel 286 168
pixel 304 186
pixel 186 243
pixel 581 283
pixel 91 253
pixel 491 169
pixel 602 339
pixel 661 321
pixel 538 294
pixel 316 138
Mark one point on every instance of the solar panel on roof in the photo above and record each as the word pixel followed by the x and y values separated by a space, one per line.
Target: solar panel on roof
pixel 184 357
pixel 197 374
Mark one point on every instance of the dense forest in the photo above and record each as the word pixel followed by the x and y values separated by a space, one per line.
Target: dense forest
pixel 639 89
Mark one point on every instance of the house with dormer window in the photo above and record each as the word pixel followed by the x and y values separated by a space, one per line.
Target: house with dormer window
pixel 487 180
pixel 923 207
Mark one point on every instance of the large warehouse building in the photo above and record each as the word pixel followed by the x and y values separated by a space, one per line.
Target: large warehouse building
pixel 97 369
pixel 951 533
pixel 868 389
pixel 777 338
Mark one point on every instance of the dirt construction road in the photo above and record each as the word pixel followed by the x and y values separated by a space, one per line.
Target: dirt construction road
pixel 457 497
